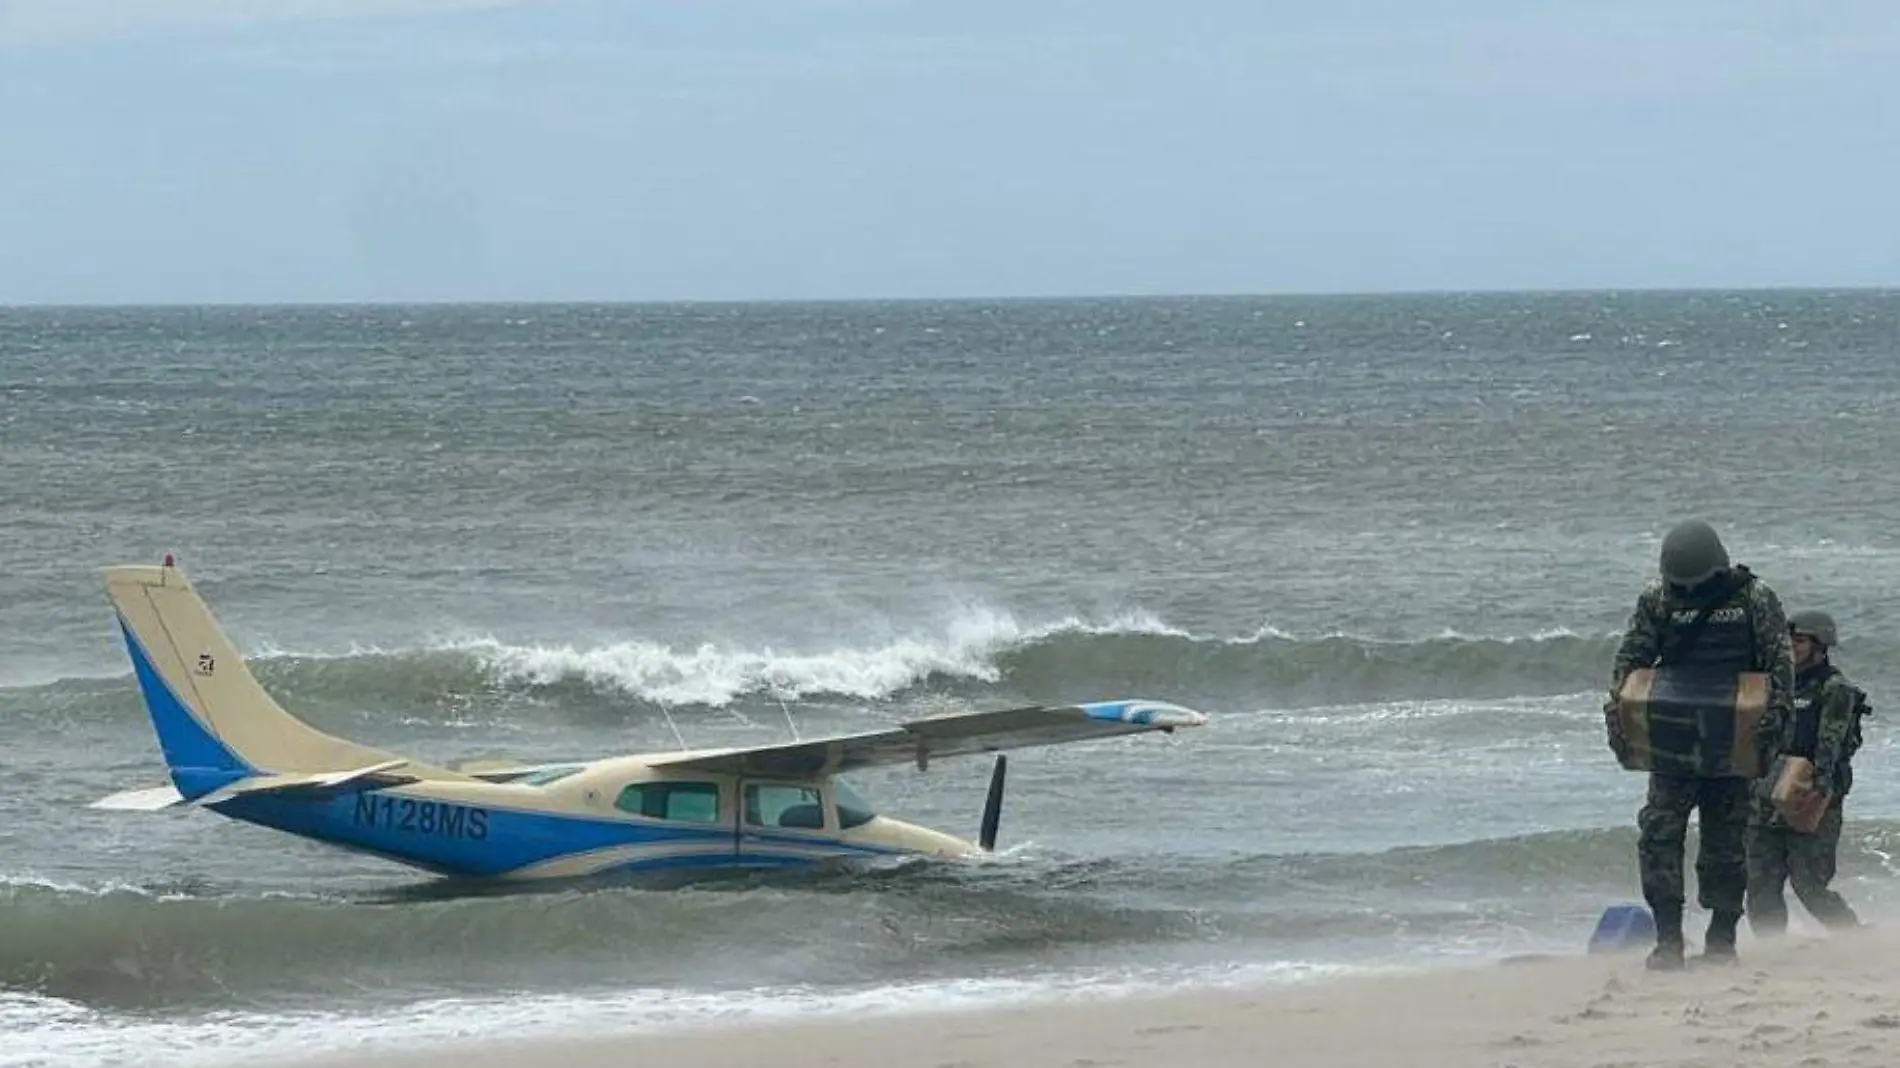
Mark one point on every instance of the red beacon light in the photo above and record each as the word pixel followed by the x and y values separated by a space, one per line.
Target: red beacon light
pixel 169 562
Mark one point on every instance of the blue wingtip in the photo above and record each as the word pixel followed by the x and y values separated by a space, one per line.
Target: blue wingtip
pixel 1144 713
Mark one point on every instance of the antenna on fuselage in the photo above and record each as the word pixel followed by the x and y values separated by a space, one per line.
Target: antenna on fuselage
pixel 788 717
pixel 677 736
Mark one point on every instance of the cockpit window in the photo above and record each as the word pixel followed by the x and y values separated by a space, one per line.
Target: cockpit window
pixel 853 811
pixel 783 805
pixel 692 802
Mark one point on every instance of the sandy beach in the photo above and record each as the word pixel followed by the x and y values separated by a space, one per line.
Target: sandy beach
pixel 1803 1000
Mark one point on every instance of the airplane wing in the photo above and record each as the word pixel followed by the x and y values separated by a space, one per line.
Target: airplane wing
pixel 958 734
pixel 368 777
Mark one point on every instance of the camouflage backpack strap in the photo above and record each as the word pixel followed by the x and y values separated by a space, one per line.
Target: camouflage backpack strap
pixel 1861 711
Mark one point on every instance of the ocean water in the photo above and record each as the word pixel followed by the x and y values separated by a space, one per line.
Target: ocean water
pixel 1384 542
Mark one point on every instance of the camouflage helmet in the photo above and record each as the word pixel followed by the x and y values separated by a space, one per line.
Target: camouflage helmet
pixel 1692 552
pixel 1814 624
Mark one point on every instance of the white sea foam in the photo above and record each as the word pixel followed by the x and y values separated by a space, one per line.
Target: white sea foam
pixel 51 1033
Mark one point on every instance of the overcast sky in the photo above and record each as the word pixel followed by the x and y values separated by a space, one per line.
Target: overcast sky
pixel 319 150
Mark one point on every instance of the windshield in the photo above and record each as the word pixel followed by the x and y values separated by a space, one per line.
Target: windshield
pixel 852 809
pixel 548 775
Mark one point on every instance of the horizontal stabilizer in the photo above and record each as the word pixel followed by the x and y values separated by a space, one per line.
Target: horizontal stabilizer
pixel 371 777
pixel 958 734
pixel 147 799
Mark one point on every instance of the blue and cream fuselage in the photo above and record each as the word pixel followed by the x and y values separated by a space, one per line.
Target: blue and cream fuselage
pixel 517 831
pixel 230 747
pixel 550 821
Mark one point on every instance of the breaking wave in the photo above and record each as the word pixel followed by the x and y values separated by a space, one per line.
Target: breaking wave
pixel 978 655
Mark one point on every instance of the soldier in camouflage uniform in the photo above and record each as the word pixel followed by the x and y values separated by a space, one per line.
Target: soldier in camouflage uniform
pixel 1745 631
pixel 1825 728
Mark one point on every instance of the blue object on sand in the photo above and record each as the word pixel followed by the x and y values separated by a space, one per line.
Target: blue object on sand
pixel 1623 927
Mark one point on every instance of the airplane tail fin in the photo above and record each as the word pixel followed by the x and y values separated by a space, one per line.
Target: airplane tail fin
pixel 215 724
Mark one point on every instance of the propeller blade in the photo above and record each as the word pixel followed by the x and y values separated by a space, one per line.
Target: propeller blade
pixel 993 805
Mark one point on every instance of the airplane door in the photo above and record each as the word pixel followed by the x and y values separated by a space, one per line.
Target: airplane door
pixel 782 822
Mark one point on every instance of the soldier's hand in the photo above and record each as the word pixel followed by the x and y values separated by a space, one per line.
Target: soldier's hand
pixel 1796 797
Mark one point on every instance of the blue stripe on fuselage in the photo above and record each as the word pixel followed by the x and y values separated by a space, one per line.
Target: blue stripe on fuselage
pixel 459 838
pixel 199 763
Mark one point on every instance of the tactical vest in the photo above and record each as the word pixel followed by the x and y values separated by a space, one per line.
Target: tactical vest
pixel 1727 641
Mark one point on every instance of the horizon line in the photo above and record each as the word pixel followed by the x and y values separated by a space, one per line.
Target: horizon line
pixel 1050 297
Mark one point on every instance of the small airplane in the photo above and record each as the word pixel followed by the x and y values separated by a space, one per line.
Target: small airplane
pixel 231 748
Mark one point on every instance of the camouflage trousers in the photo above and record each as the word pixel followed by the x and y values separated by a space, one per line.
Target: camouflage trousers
pixel 1779 854
pixel 1721 864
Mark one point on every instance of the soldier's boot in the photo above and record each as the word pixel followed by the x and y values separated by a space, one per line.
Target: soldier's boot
pixel 1718 947
pixel 1667 956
